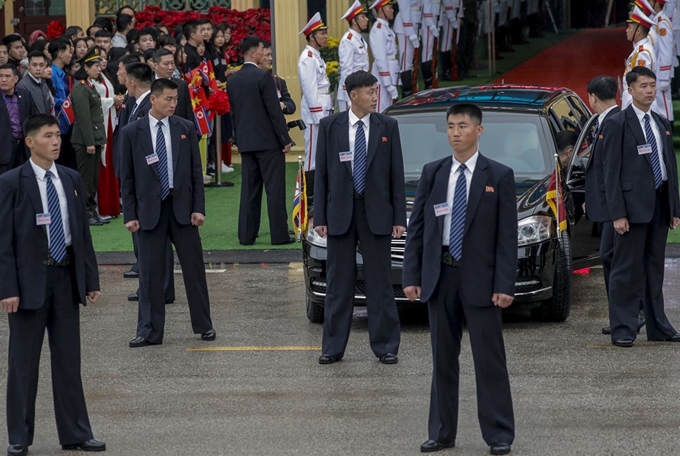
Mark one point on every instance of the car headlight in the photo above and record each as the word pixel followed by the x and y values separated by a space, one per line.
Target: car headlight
pixel 314 238
pixel 533 229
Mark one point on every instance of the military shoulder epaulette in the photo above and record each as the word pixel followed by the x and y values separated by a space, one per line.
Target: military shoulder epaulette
pixel 349 37
pixel 641 48
pixel 309 54
pixel 379 25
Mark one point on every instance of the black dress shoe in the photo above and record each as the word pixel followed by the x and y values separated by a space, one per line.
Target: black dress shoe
pixel 675 338
pixel 432 445
pixel 169 301
pixel 389 358
pixel 624 342
pixel 247 243
pixel 90 445
pixel 103 220
pixel 640 324
pixel 140 342
pixel 328 359
pixel 499 448
pixel 130 274
pixel 133 297
pixel 94 222
pixel 289 241
pixel 209 335
pixel 17 450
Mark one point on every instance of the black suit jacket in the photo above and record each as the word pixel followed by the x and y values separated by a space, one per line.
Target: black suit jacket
pixel 23 244
pixel 6 125
pixel 334 190
pixel 489 260
pixel 39 97
pixel 284 95
pixel 255 111
pixel 183 109
pixel 123 120
pixel 628 176
pixel 596 200
pixel 140 188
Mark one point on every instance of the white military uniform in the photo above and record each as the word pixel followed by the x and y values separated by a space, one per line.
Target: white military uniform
pixel 385 64
pixel 316 99
pixel 448 21
pixel 661 37
pixel 430 29
pixel 406 25
pixel 642 55
pixel 353 53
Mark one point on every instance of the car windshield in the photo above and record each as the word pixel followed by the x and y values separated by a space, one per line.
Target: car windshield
pixel 514 139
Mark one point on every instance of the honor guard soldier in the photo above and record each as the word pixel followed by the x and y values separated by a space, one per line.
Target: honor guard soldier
pixel 643 53
pixel 449 22
pixel 353 50
pixel 316 99
pixel 406 26
pixel 661 37
pixel 428 32
pixel 385 65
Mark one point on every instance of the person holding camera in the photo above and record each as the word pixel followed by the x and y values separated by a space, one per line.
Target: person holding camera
pixel 262 138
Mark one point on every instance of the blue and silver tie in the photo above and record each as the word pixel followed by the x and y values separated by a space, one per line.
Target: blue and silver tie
pixel 56 229
pixel 359 173
pixel 162 152
pixel 654 156
pixel 458 215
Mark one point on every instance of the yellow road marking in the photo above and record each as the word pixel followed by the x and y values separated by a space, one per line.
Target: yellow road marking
pixel 257 348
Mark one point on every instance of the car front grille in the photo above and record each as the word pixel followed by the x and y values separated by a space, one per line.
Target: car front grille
pixel 398 246
pixel 396 289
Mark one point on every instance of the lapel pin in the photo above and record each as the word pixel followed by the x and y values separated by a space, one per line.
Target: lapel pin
pixel 384 139
pixel 668 133
pixel 184 136
pixel 601 137
pixel 490 189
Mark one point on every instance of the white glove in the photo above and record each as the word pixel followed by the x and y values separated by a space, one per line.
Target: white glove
pixel 434 30
pixel 394 94
pixel 414 41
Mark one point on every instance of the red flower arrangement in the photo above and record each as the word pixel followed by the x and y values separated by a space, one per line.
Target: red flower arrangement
pixel 256 21
pixel 218 103
pixel 55 29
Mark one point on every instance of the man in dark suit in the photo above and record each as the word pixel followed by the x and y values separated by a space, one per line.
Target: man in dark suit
pixel 47 267
pixel 602 99
pixel 164 63
pixel 162 190
pixel 138 82
pixel 15 107
pixel 40 97
pixel 460 258
pixel 262 138
pixel 641 188
pixel 285 100
pixel 360 198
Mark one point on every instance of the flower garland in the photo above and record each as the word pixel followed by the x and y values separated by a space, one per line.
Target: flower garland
pixel 54 29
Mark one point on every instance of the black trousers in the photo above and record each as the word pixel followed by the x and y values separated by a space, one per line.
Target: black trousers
pixel 606 249
pixel 67 154
pixel 152 270
pixel 88 167
pixel 169 280
pixel 494 401
pixel 266 168
pixel 60 316
pixel 466 48
pixel 637 273
pixel 384 331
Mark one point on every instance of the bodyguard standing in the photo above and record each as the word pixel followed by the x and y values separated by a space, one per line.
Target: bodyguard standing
pixel 47 267
pixel 641 187
pixel 460 258
pixel 360 198
pixel 262 139
pixel 352 50
pixel 41 98
pixel 162 190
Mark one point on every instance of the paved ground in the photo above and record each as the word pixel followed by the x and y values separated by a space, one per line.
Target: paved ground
pixel 574 393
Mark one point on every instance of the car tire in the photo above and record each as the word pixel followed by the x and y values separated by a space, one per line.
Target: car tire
pixel 314 311
pixel 557 308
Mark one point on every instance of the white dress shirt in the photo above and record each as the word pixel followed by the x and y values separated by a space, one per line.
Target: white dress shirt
pixel 63 203
pixel 153 123
pixel 353 119
pixel 657 135
pixel 453 177
pixel 138 102
pixel 604 115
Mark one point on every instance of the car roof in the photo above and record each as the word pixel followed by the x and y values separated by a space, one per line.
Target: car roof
pixel 508 96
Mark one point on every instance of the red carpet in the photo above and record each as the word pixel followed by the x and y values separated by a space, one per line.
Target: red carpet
pixel 575 61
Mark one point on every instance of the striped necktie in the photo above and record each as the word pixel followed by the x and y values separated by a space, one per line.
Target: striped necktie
pixel 458 215
pixel 162 152
pixel 654 156
pixel 57 236
pixel 359 174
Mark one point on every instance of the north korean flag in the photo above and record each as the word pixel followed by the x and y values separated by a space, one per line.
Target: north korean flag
pixel 67 111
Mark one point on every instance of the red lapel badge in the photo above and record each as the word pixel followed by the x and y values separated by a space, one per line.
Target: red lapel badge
pixel 489 189
pixel 183 136
pixel 668 133
pixel 384 139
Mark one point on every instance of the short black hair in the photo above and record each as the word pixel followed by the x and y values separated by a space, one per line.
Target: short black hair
pixel 469 109
pixel 189 28
pixel 140 72
pixel 158 54
pixel 159 85
pixel 89 29
pixel 203 21
pixel 603 87
pixel 72 30
pixel 133 36
pixel 103 33
pixel 10 66
pixel 166 40
pixel 119 11
pixel 265 44
pixel 565 138
pixel 11 38
pixel 638 71
pixel 148 31
pixel 249 43
pixel 58 45
pixel 105 23
pixel 127 59
pixel 34 123
pixel 359 79
pixel 148 54
pixel 123 21
pixel 36 55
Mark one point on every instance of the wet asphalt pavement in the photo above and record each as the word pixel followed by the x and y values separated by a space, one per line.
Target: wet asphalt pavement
pixel 574 393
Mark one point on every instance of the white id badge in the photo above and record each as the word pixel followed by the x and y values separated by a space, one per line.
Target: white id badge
pixel 441 209
pixel 150 159
pixel 644 149
pixel 43 219
pixel 346 156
